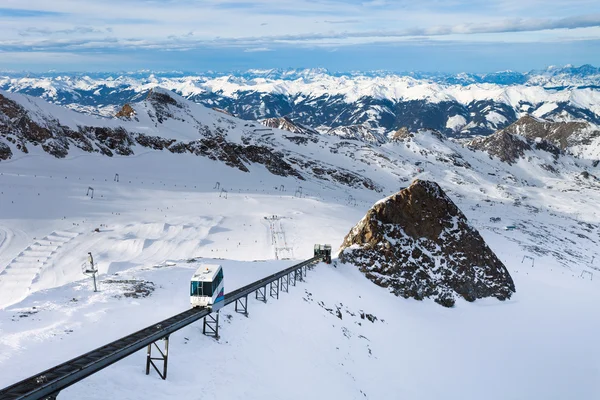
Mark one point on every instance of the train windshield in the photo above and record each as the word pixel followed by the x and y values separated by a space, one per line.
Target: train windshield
pixel 201 289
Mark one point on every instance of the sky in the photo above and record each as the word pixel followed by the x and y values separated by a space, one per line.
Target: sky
pixel 221 35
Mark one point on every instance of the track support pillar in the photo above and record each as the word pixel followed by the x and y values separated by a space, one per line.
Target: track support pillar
pixel 211 325
pixel 261 294
pixel 274 289
pixel 164 357
pixel 241 306
pixel 285 283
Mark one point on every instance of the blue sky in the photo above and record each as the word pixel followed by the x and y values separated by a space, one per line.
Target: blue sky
pixel 401 35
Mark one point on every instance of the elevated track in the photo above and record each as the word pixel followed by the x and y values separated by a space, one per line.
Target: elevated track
pixel 47 384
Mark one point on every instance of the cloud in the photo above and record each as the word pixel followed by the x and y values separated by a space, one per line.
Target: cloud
pixel 257 50
pixel 82 30
pixel 342 21
pixel 23 13
pixel 190 40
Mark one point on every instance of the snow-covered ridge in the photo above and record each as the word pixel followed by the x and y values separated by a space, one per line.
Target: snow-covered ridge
pixel 166 215
pixel 536 89
pixel 464 105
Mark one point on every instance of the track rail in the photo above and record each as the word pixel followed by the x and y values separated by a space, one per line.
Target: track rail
pixel 48 383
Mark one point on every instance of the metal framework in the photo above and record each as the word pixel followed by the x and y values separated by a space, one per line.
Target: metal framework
pixel 241 305
pixel 261 294
pixel 47 384
pixel 211 325
pixel 274 289
pixel 285 283
pixel 163 357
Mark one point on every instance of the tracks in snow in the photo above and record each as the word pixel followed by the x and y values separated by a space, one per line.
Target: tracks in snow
pixel 16 279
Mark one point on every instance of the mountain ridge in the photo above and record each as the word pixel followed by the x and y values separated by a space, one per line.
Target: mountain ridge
pixel 463 105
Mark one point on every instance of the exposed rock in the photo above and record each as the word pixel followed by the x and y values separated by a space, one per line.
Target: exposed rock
pixel 401 134
pixel 208 136
pixel 363 133
pixel 5 151
pixel 509 147
pixel 126 112
pixel 420 245
pixel 404 134
pixel 561 134
pixel 287 124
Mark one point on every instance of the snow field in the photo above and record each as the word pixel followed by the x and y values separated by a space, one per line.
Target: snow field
pixel 165 216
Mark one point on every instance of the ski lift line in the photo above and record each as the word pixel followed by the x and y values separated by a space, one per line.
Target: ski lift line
pixel 47 384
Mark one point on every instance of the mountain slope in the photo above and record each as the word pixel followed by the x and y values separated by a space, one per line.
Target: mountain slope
pixel 157 214
pixel 461 105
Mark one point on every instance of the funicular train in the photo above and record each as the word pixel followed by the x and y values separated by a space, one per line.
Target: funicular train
pixel 207 289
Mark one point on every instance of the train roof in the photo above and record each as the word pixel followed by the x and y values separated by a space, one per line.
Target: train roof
pixel 206 272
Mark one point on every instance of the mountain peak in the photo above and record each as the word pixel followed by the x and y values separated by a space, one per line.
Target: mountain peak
pixel 420 245
pixel 158 95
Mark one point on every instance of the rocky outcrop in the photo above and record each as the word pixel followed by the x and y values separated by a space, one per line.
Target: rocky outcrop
pixel 419 244
pixel 561 134
pixel 509 147
pixel 286 124
pixel 363 133
pixel 180 127
pixel 5 151
pixel 403 134
pixel 126 112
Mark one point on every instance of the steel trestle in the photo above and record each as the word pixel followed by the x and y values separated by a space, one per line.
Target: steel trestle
pixel 47 384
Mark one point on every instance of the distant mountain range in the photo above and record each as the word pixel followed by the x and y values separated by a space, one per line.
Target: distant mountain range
pixel 368 104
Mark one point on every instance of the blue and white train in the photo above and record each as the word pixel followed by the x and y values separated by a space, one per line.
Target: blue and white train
pixel 206 289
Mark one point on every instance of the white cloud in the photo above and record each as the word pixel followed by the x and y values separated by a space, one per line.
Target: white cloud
pixel 257 50
pixel 263 24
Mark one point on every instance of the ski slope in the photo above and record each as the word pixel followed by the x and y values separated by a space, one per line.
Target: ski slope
pixel 166 214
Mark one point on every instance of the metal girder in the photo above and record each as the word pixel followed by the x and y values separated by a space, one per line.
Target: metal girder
pixel 47 384
pixel 292 278
pixel 261 294
pixel 211 325
pixel 163 357
pixel 274 289
pixel 242 303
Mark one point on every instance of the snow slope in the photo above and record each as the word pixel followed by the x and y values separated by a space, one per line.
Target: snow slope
pixel 167 214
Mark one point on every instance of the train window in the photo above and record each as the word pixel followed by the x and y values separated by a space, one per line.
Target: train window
pixel 207 289
pixel 194 289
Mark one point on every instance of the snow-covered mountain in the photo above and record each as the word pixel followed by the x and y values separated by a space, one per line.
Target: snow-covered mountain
pixel 176 184
pixel 458 105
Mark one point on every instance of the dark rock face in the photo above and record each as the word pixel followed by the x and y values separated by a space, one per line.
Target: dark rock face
pixel 126 112
pixel 22 128
pixel 5 151
pixel 420 245
pixel 403 134
pixel 287 124
pixel 510 147
pixel 362 133
pixel 561 134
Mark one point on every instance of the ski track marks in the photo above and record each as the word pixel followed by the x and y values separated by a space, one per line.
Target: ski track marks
pixel 20 274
